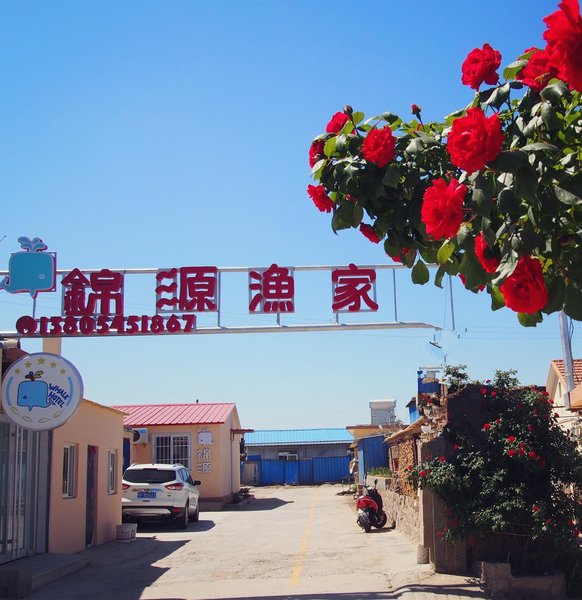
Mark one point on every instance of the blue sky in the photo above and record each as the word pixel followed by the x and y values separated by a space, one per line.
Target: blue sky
pixel 149 134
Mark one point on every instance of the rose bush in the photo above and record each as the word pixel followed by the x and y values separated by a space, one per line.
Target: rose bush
pixel 509 474
pixel 493 184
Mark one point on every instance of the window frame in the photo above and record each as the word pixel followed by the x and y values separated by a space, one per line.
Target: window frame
pixel 169 448
pixel 112 472
pixel 69 473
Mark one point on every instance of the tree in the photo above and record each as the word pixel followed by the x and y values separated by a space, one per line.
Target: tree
pixel 492 194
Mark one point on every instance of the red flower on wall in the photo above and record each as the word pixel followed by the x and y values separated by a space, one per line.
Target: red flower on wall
pixel 538 70
pixel 337 122
pixel 320 198
pixel 369 232
pixel 564 42
pixel 474 140
pixel 480 66
pixel 442 208
pixel 524 290
pixel 486 256
pixel 378 146
pixel 316 152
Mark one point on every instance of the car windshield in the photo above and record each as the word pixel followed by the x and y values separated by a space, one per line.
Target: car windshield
pixel 149 475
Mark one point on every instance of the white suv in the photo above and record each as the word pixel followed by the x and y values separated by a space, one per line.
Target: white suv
pixel 158 491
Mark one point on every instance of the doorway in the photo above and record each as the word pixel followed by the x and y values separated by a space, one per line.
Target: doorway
pixel 23 493
pixel 91 502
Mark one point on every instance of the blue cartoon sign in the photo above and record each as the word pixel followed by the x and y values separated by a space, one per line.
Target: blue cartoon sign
pixel 41 391
pixel 32 270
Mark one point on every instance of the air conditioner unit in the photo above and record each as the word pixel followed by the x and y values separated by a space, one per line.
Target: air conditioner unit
pixel 140 436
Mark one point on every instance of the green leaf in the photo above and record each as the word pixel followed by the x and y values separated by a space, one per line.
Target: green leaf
pixel 556 295
pixel 392 176
pixel 497 299
pixel 539 146
pixel 507 201
pixel 482 196
pixel 513 69
pixel 357 117
pixel 567 197
pixel 389 117
pixel 343 217
pixel 420 274
pixel 528 320
pixel 550 117
pixel 329 147
pixel 445 251
pixel 509 161
pixel 464 237
pixel 358 215
pixel 472 271
pixel 553 93
pixel 573 302
pixel 438 279
pixel 499 96
pixel 506 266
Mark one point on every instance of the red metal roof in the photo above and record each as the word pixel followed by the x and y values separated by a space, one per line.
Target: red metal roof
pixel 144 415
pixel 577 370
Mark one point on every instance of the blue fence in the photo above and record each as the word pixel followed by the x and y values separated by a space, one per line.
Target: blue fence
pixel 302 472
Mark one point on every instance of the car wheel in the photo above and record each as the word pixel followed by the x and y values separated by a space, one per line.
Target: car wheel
pixel 182 520
pixel 196 516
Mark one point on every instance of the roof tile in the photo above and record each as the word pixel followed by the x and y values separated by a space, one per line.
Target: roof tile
pixel 577 362
pixel 144 415
pixel 289 437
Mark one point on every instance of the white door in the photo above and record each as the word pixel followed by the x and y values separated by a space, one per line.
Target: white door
pixel 19 493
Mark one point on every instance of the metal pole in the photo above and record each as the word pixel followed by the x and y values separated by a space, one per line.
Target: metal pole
pixel 568 362
pixel 452 304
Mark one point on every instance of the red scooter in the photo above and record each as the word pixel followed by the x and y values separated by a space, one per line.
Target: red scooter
pixel 370 511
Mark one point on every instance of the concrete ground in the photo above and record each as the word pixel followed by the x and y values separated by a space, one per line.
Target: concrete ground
pixel 288 543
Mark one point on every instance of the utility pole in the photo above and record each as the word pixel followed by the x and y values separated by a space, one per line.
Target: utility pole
pixel 568 362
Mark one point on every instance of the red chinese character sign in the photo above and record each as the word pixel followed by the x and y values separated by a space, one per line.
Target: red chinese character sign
pixel 272 290
pixel 192 289
pixel 93 301
pixel 352 286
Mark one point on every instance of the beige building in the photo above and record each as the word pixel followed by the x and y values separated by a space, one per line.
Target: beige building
pixel 86 467
pixel 204 437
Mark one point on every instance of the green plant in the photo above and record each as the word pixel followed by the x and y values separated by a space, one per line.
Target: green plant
pixel 380 472
pixel 493 193
pixel 515 474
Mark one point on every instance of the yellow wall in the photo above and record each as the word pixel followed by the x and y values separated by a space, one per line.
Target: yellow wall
pixel 216 465
pixel 92 425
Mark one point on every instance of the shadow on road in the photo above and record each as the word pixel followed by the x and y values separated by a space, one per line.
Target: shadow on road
pixel 409 592
pixel 166 527
pixel 266 504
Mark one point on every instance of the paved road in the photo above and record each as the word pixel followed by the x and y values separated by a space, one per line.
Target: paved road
pixel 289 543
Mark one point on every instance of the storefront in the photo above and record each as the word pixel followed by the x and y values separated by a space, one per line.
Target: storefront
pixel 24 458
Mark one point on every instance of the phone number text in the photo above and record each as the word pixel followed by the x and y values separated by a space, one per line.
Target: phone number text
pixel 105 325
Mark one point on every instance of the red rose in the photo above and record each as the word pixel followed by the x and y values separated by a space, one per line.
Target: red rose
pixel 532 454
pixel 442 208
pixel 323 202
pixel 378 146
pixel 511 439
pixel 415 109
pixel 337 122
pixel 369 232
pixel 422 473
pixel 511 452
pixel 475 140
pixel 316 152
pixel 487 426
pixel 538 70
pixel 481 66
pixel 524 290
pixel 442 458
pixel 535 508
pixel 564 42
pixel 485 255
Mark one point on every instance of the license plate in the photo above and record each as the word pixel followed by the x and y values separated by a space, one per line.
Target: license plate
pixel 146 494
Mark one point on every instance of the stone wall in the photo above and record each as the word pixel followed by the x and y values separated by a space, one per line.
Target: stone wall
pixel 402 510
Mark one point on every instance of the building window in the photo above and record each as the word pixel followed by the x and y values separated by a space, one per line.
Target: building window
pixel 111 472
pixel 285 455
pixel 69 470
pixel 171 449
